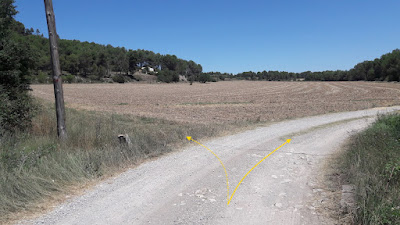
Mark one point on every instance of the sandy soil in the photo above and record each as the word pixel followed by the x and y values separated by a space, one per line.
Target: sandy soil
pixel 227 101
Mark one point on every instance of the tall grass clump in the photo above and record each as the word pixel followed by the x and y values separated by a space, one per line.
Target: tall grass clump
pixel 372 164
pixel 34 165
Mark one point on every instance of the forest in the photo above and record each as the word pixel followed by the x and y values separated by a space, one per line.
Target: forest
pixel 95 61
pixel 385 68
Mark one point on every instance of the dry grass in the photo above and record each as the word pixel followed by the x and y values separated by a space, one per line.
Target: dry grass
pixel 227 101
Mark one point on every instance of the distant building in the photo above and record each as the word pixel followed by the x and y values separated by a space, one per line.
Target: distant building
pixel 146 69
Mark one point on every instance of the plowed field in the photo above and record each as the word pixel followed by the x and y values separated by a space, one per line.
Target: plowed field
pixel 227 101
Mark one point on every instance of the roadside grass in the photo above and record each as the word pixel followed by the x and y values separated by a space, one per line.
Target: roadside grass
pixel 35 165
pixel 371 162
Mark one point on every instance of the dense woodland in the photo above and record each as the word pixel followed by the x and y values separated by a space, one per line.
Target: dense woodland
pixel 95 61
pixel 385 68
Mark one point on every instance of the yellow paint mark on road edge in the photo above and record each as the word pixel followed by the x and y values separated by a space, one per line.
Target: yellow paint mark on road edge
pixel 229 199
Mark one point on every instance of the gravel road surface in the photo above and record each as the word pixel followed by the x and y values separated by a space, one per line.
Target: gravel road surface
pixel 188 187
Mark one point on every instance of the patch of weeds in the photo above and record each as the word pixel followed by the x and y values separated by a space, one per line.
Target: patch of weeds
pixel 372 163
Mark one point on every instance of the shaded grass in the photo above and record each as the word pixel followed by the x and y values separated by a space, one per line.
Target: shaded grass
pixel 34 165
pixel 372 164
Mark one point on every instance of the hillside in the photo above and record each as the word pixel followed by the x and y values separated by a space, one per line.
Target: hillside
pixel 96 61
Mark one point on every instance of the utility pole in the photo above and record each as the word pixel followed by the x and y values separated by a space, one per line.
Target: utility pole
pixel 55 59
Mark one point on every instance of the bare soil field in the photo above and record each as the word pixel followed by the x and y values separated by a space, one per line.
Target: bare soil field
pixel 227 101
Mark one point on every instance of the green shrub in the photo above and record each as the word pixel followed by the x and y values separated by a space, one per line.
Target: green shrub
pixel 69 78
pixel 118 79
pixel 168 76
pixel 204 77
pixel 16 111
pixel 94 77
pixel 372 164
pixel 42 77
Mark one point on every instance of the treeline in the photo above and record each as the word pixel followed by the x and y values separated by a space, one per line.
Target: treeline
pixel 385 68
pixel 214 76
pixel 267 75
pixel 96 61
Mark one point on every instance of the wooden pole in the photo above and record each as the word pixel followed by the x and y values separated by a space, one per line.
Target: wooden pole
pixel 57 81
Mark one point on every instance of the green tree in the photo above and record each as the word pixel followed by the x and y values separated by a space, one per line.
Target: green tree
pixel 168 76
pixel 205 77
pixel 85 63
pixel 103 63
pixel 170 62
pixel 16 61
pixel 71 63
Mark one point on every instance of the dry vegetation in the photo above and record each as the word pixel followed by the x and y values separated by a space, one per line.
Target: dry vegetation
pixel 227 101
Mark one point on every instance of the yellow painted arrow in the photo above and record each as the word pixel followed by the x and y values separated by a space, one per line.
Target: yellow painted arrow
pixel 229 199
pixel 220 161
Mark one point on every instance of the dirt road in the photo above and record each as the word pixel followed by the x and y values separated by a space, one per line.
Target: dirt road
pixel 188 187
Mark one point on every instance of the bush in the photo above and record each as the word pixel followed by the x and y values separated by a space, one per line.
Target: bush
pixel 168 76
pixel 16 111
pixel 69 78
pixel 42 77
pixel 119 79
pixel 372 164
pixel 94 77
pixel 204 77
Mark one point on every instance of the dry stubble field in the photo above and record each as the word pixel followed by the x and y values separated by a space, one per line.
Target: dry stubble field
pixel 227 101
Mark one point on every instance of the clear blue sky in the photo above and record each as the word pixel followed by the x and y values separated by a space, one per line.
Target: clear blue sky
pixel 233 36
